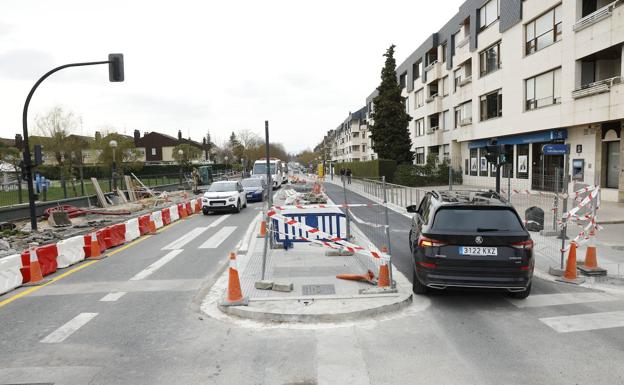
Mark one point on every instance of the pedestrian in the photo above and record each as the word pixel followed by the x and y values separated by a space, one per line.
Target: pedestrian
pixel 348 176
pixel 342 174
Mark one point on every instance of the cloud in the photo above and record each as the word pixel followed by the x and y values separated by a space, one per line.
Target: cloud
pixel 24 63
pixel 5 28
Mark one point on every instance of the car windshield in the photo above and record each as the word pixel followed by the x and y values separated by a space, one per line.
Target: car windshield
pixel 223 187
pixel 256 182
pixel 476 220
pixel 260 168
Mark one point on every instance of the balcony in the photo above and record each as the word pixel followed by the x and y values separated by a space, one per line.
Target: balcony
pixel 434 104
pixel 465 81
pixel 465 121
pixel 595 88
pixel 433 71
pixel 596 16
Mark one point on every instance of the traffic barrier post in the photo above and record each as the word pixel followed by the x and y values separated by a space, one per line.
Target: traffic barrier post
pixel 70 251
pixel 10 275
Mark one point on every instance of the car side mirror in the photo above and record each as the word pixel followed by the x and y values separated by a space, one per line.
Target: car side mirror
pixel 412 209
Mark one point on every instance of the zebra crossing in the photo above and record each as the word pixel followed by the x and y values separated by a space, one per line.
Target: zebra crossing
pixel 568 303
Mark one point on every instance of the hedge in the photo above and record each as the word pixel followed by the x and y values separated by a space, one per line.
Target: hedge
pixel 430 174
pixel 104 171
pixel 369 169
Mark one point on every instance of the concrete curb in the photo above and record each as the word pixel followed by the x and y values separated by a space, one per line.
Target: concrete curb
pixel 590 282
pixel 257 314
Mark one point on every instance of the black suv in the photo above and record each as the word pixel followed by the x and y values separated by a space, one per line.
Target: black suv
pixel 470 239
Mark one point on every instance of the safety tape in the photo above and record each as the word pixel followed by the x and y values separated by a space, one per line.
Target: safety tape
pixel 335 246
pixel 592 194
pixel 324 206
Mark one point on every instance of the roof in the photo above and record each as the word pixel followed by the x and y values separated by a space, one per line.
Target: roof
pixel 159 139
pixel 8 142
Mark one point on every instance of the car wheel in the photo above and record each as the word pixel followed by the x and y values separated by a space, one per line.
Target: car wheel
pixel 245 205
pixel 417 286
pixel 521 294
pixel 238 207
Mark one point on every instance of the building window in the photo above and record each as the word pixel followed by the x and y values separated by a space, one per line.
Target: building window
pixel 444 53
pixel 474 162
pixel 446 120
pixel 434 122
pixel 522 161
pixel 407 103
pixel 445 86
pixel 433 90
pixel 489 60
pixel 417 69
pixel 463 75
pixel 153 152
pixel 420 127
pixel 463 114
pixel 356 134
pixel 420 155
pixel 492 105
pixel 403 80
pixel 483 163
pixel 419 99
pixel 544 31
pixel 457 75
pixel 543 90
pixel 446 149
pixel 488 14
pixel 432 56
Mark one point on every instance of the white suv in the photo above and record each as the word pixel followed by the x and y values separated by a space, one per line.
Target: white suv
pixel 224 196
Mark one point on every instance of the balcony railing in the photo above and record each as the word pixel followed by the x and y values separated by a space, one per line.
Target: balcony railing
pixel 431 98
pixel 465 81
pixel 596 88
pixel 465 121
pixel 596 16
pixel 431 65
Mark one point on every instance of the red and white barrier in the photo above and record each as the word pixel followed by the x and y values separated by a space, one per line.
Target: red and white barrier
pixel 194 206
pixel 70 251
pixel 157 218
pixel 132 229
pixel 10 276
pixel 173 212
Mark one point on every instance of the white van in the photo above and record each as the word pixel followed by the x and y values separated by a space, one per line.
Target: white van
pixel 275 164
pixel 284 172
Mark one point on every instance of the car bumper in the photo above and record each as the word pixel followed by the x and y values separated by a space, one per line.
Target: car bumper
pixel 441 279
pixel 255 197
pixel 206 206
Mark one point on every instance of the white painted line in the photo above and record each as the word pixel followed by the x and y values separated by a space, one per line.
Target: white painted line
pixel 585 322
pixel 218 221
pixel 60 334
pixel 156 265
pixel 186 238
pixel 541 300
pixel 218 238
pixel 112 297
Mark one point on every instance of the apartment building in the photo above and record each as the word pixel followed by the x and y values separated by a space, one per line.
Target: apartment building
pixel 529 73
pixel 351 139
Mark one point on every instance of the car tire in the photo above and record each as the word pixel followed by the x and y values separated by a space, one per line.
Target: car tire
pixel 417 286
pixel 521 294
pixel 238 207
pixel 245 205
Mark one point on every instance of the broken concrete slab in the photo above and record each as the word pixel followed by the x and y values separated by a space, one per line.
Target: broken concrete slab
pixel 264 285
pixel 283 286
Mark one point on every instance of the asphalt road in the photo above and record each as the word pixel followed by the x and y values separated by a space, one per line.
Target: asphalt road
pixel 82 330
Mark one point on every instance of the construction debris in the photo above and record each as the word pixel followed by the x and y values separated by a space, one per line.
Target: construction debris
pixel 99 193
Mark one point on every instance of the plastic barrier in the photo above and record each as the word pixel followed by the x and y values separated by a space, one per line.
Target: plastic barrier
pixel 118 234
pixel 194 206
pixel 189 208
pixel 47 260
pixel 101 235
pixel 157 218
pixel 166 216
pixel 173 211
pixel 334 223
pixel 144 224
pixel 181 210
pixel 70 251
pixel 132 229
pixel 10 276
pixel 108 239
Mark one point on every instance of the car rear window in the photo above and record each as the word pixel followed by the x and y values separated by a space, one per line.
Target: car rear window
pixel 476 220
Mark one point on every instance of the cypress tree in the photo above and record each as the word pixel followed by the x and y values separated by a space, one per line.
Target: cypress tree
pixel 390 134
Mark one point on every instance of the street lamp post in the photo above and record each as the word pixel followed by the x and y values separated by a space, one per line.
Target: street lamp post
pixel 113 145
pixel 115 74
pixel 180 155
pixel 226 162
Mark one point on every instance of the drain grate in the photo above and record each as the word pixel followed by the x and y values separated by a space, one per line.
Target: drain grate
pixel 318 289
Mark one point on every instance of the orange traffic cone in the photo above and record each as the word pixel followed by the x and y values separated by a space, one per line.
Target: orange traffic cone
pixel 152 227
pixel 368 277
pixel 197 205
pixel 384 276
pixel 36 278
pixel 95 247
pixel 262 233
pixel 234 292
pixel 590 267
pixel 569 275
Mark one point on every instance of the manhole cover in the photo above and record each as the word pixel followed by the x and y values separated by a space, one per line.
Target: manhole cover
pixel 318 289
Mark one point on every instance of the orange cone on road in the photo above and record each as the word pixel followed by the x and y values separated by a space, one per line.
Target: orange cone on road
pixel 234 292
pixel 368 277
pixel 590 267
pixel 384 276
pixel 569 275
pixel 262 233
pixel 36 277
pixel 96 253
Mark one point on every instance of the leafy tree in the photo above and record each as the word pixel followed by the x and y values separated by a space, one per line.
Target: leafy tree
pixel 126 155
pixel 235 146
pixel 12 156
pixel 389 131
pixel 209 144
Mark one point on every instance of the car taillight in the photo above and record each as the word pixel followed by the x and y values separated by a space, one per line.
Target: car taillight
pixel 525 268
pixel 428 242
pixel 428 265
pixel 528 244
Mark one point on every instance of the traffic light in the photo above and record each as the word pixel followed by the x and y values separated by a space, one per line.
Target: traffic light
pixel 506 155
pixel 115 67
pixel 38 155
pixel 491 154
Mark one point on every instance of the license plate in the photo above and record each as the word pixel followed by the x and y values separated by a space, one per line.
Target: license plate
pixel 473 250
pixel 217 204
pixel 249 195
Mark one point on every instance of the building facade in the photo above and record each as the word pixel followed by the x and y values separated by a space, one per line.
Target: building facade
pixel 528 73
pixel 351 140
pixel 155 147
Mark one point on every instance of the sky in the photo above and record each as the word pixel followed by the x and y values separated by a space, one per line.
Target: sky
pixel 200 66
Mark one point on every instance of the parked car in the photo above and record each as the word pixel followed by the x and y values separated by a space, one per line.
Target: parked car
pixel 470 239
pixel 255 189
pixel 224 196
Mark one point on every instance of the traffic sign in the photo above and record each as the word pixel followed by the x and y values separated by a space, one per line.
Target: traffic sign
pixel 555 149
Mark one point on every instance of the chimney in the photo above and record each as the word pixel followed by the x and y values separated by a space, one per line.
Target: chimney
pixel 137 136
pixel 179 134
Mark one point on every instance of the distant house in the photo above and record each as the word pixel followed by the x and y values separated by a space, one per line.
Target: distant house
pixel 155 147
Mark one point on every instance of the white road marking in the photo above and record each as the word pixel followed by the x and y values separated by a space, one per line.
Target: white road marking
pixel 156 265
pixel 186 238
pixel 60 334
pixel 218 238
pixel 585 322
pixel 541 300
pixel 112 297
pixel 218 221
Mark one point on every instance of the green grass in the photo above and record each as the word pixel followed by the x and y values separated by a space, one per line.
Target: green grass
pixel 56 192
